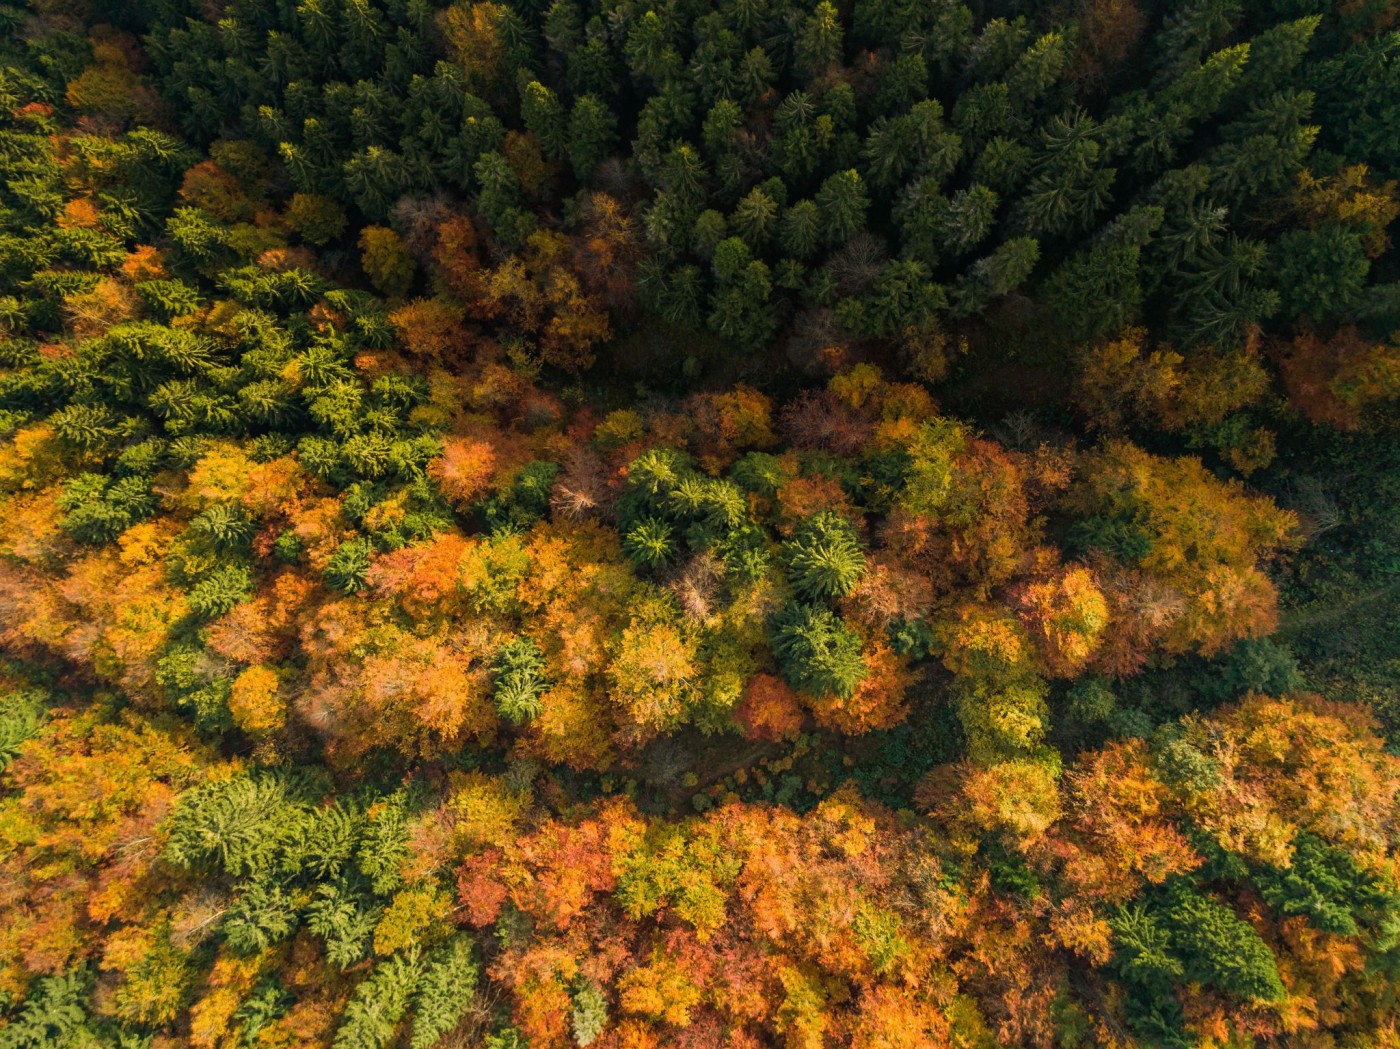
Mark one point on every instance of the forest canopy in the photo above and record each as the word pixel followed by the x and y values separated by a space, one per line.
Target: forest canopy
pixel 710 523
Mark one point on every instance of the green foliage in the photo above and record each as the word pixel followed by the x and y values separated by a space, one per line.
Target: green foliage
pixel 1261 665
pixel 519 668
pixel 544 115
pixel 384 844
pixel 508 1038
pixel 649 543
pixel 378 1004
pixel 1320 273
pixel 219 590
pixel 265 914
pixel 54 1015
pixel 224 526
pixel 1004 717
pixel 590 1016
pixel 169 298
pixel 96 509
pixel 444 993
pixel 1219 948
pixel 843 202
pixel 525 501
pixel 1183 766
pixel 1183 935
pixel 1325 884
pixel 824 557
pixel 186 677
pixel 1144 960
pixel 1091 701
pixel 345 921
pixel 348 568
pixel 21 716
pixel 592 134
pixel 268 1002
pixel 1099 289
pixel 201 238
pixel 244 825
pixel 817 652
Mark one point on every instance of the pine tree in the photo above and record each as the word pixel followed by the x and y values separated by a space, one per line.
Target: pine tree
pixel 755 219
pixel 376 177
pixel 378 1004
pixel 800 231
pixel 519 668
pixel 1218 947
pixel 97 509
pixel 345 920
pixel 1098 290
pixel 819 41
pixel 650 544
pixel 1319 273
pixel 240 826
pixel 843 202
pixel 348 568
pixel 824 557
pixel 225 526
pixel 263 915
pixel 817 652
pixel 220 590
pixel 997 274
pixel 384 844
pixel 592 132
pixel 545 117
pixel 21 715
pixel 444 993
pixel 54 1014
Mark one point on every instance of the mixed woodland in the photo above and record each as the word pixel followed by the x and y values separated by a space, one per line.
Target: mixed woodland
pixel 699 524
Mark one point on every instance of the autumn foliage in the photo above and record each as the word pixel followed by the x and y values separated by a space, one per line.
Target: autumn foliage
pixel 706 525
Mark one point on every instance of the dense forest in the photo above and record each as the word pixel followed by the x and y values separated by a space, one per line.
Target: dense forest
pixel 700 524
